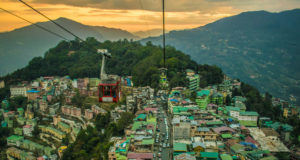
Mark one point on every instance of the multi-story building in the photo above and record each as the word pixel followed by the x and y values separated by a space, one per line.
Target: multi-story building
pixel 248 118
pixel 203 132
pixel 18 91
pixel 27 130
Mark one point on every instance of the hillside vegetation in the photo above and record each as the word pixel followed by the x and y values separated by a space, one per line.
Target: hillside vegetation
pixel 80 59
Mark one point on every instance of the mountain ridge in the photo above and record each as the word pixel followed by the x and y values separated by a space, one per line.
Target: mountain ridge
pixel 19 46
pixel 259 47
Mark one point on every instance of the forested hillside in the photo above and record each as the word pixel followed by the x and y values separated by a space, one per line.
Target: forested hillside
pixel 260 48
pixel 80 59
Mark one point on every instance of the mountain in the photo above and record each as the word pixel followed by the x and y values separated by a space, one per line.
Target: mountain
pixel 80 59
pixel 260 48
pixel 149 33
pixel 19 46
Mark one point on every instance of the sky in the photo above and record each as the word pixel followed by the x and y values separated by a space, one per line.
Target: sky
pixel 136 15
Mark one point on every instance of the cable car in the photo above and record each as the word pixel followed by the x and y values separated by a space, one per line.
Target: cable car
pixel 109 91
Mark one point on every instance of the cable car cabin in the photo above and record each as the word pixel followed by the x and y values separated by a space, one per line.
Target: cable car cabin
pixel 109 91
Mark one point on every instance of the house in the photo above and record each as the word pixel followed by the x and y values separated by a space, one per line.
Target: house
pixel 27 130
pixel 248 118
pixel 198 147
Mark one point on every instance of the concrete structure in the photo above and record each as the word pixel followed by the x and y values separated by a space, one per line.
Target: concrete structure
pixel 27 130
pixel 205 133
pixel 182 131
pixel 248 118
pixel 18 91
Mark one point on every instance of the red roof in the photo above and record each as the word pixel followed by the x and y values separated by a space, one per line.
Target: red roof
pixel 251 140
pixel 140 156
pixel 150 109
pixel 27 126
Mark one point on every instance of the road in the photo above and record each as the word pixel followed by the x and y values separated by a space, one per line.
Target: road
pixel 163 147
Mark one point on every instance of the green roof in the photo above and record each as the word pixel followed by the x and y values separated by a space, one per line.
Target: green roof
pixel 230 108
pixel 15 138
pixel 248 123
pixel 181 147
pixel 141 116
pixel 148 141
pixel 237 148
pixel 64 125
pixel 209 154
pixel 248 113
pixel 214 123
pixel 225 157
pixel 226 135
pixel 203 92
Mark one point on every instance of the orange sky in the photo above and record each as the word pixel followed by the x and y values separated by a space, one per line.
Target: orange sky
pixel 135 15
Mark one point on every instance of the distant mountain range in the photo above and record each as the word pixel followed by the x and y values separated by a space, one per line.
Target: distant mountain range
pixel 260 48
pixel 19 46
pixel 149 33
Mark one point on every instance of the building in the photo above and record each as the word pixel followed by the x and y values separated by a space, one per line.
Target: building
pixel 27 130
pixel 18 131
pixel 248 119
pixel 2 84
pixel 205 133
pixel 43 105
pixel 181 130
pixel 233 111
pixel 88 114
pixel 202 99
pixel 15 140
pixel 32 94
pixel 194 82
pixel 55 132
pixel 18 91
pixel 64 127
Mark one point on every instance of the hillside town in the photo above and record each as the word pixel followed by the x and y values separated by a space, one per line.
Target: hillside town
pixel 184 123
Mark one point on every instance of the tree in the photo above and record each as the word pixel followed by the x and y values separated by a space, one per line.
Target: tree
pixel 124 121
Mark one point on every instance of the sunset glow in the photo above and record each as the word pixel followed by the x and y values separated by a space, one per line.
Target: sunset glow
pixel 135 15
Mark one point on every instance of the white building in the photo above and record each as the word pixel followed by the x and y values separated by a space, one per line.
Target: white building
pixel 27 130
pixel 18 91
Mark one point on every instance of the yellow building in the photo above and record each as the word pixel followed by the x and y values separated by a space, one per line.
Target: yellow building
pixel 285 112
